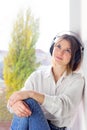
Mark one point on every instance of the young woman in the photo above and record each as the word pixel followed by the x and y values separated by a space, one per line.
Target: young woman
pixel 50 98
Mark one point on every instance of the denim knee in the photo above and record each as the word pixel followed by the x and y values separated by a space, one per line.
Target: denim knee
pixel 30 100
pixel 31 103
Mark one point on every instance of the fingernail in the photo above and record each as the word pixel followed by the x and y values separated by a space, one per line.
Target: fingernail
pixel 30 113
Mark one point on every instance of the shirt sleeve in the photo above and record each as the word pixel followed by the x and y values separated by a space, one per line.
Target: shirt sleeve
pixel 27 86
pixel 66 103
pixel 29 83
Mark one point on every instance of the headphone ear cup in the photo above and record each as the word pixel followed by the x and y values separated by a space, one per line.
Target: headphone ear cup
pixel 78 56
pixel 77 59
pixel 51 48
pixel 52 45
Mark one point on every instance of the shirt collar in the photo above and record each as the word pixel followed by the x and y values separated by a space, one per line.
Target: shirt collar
pixel 49 73
pixel 63 76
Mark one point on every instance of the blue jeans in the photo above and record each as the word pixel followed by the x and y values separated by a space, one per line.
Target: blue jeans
pixel 36 121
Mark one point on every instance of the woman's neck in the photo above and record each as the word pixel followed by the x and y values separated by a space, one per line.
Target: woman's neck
pixel 58 72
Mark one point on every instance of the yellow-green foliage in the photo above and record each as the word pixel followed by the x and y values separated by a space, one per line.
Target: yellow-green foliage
pixel 20 61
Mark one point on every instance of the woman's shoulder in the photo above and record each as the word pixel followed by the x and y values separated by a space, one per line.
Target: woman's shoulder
pixel 77 76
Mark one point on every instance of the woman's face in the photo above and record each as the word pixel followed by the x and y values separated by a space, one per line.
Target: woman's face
pixel 61 53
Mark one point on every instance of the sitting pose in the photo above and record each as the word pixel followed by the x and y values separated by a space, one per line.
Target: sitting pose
pixel 50 97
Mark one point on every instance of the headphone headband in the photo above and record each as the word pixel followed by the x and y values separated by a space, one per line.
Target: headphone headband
pixel 70 33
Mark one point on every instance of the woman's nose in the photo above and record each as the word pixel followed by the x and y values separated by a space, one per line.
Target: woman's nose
pixel 61 52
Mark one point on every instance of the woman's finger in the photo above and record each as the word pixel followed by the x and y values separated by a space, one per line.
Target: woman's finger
pixel 21 109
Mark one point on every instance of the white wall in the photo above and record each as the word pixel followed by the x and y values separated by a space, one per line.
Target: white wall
pixel 78 23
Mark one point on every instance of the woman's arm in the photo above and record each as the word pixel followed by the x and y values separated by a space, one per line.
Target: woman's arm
pixel 39 97
pixel 21 95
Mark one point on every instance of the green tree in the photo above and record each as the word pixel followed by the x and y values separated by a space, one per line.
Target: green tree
pixel 20 61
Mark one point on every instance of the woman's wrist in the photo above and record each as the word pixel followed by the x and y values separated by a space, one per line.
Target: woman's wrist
pixel 31 94
pixel 37 96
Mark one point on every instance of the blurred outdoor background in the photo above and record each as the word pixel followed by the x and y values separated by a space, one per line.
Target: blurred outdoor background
pixel 27 28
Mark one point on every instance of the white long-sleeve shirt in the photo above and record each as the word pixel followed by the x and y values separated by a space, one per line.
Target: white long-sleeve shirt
pixel 61 99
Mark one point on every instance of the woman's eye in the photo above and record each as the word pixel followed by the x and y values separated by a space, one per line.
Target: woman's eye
pixel 59 46
pixel 69 51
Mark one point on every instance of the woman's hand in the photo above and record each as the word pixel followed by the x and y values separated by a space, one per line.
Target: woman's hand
pixel 18 96
pixel 21 109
